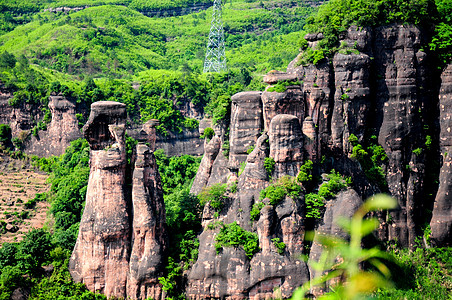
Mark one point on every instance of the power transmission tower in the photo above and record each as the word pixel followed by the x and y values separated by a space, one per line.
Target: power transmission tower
pixel 215 57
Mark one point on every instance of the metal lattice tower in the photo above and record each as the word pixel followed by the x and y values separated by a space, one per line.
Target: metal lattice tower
pixel 215 57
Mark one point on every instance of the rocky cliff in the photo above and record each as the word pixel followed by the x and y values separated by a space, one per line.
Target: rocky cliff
pixel 121 244
pixel 377 94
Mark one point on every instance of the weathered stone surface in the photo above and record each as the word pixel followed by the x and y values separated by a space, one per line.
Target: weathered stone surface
pixel 148 229
pixel 122 238
pixel 186 142
pixel 351 99
pixel 231 274
pixel 317 88
pixel 211 151
pixel 253 179
pixel 274 77
pixel 60 132
pixel 101 255
pixel 344 205
pixel 401 70
pixel 441 223
pixel 286 145
pixel 246 125
pixel 289 102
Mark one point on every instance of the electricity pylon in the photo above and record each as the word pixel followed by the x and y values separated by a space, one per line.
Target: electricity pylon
pixel 215 57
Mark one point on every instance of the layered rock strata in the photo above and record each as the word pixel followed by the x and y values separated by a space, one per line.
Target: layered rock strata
pixel 377 88
pixel 122 237
pixel 441 223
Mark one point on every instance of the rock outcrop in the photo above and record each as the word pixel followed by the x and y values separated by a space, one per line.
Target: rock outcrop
pixel 60 132
pixel 441 223
pixel 377 88
pixel 286 144
pixel 122 238
pixel 246 125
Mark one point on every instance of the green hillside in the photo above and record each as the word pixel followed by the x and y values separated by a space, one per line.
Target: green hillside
pixel 118 40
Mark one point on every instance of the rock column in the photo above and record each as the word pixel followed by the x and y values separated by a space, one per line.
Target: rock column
pixel 441 223
pixel 101 254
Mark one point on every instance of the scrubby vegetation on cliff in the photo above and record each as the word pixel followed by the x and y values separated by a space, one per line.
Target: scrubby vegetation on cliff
pixel 336 16
pixel 97 65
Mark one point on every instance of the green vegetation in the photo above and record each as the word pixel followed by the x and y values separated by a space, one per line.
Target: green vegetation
pixel 208 134
pixel 256 210
pixel 373 160
pixel 269 165
pixel 336 16
pixel 5 135
pixel 280 246
pixel 281 86
pixel 349 279
pixel 420 274
pixel 214 195
pixel 305 175
pixel 284 186
pixel 20 263
pixel 232 235
pixel 315 202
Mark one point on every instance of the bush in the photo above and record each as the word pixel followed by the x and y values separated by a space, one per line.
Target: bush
pixel 269 165
pixel 305 174
pixel 285 186
pixel 256 211
pixel 215 195
pixel 280 246
pixel 314 205
pixel 232 235
pixel 208 134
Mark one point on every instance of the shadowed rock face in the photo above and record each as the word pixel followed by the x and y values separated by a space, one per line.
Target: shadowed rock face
pixel 441 223
pixel 122 236
pixel 401 70
pixel 344 205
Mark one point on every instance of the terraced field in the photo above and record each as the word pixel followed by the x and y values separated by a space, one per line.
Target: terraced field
pixel 19 211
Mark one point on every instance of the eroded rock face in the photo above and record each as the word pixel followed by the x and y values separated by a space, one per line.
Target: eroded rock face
pixel 268 274
pixel 286 145
pixel 122 238
pixel 60 132
pixel 211 151
pixel 441 223
pixel 246 125
pixel 401 70
pixel 344 205
pixel 289 102
pixel 101 255
pixel 351 99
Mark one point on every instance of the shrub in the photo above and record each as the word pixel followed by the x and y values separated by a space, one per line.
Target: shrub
pixel 305 174
pixel 269 165
pixel 314 205
pixel 256 210
pixel 276 192
pixel 208 134
pixel 250 149
pixel 280 246
pixel 215 195
pixel 232 235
